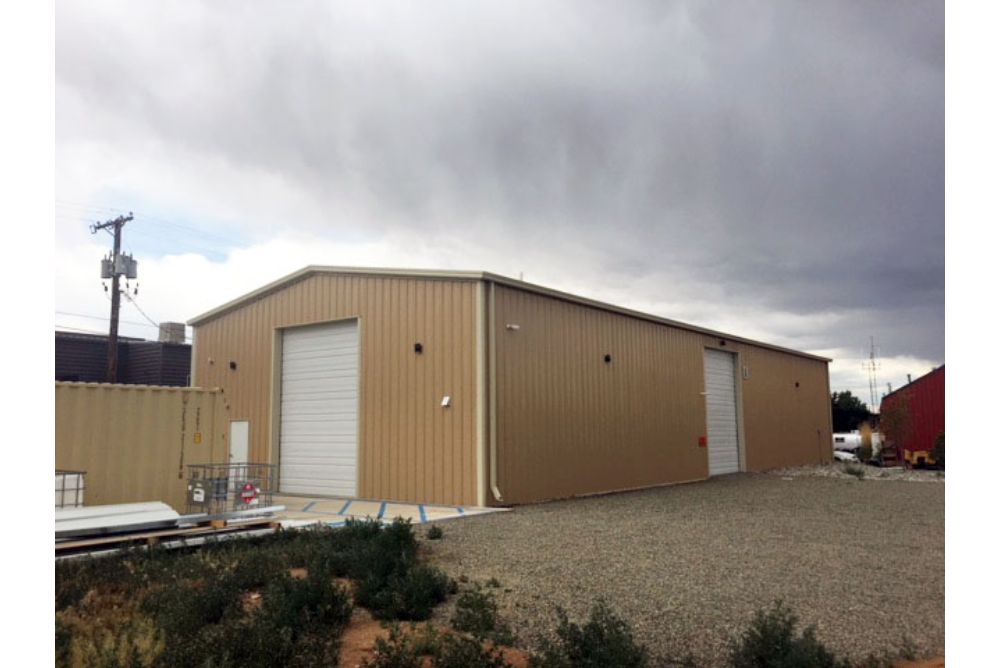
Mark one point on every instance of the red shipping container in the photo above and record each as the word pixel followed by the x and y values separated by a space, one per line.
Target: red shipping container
pixel 922 404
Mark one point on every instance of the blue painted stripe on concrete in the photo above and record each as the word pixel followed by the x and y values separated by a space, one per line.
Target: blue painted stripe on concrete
pixel 461 510
pixel 423 514
pixel 346 506
pixel 381 510
pixel 308 506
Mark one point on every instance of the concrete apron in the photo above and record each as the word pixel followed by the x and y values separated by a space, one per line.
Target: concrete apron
pixel 303 511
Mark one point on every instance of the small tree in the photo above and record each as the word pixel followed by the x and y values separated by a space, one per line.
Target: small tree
pixel 897 423
pixel 848 411
pixel 938 452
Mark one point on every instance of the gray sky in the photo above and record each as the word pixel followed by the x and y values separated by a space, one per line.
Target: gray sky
pixel 771 169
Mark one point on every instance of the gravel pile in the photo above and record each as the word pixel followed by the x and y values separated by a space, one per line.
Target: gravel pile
pixel 688 565
pixel 870 473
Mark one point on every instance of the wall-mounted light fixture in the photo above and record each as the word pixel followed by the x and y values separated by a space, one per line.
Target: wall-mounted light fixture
pixel 796 383
pixel 513 326
pixel 232 365
pixel 722 342
pixel 418 347
pixel 446 401
pixel 607 359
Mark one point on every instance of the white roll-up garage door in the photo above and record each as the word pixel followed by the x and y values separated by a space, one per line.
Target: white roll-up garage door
pixel 720 403
pixel 318 450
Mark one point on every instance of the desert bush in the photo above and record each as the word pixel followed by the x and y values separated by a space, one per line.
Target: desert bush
pixel 476 613
pixel 197 600
pixel 435 533
pixel 396 651
pixel 106 631
pixel 409 593
pixel 937 452
pixel 855 470
pixel 314 603
pixel 771 641
pixel 605 640
pixel 462 651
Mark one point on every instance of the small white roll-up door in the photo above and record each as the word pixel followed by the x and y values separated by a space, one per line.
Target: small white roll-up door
pixel 318 447
pixel 720 403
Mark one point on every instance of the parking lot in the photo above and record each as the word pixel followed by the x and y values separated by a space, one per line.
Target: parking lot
pixel 688 565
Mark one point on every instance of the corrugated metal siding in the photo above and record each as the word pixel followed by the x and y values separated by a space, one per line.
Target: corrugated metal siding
pixel 84 359
pixel 570 424
pixel 175 364
pixel 134 440
pixel 144 365
pixel 925 399
pixel 411 447
pixel 785 425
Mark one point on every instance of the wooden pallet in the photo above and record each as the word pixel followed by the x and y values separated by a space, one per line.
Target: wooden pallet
pixel 153 537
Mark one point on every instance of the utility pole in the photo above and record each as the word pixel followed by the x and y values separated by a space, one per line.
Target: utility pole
pixel 113 268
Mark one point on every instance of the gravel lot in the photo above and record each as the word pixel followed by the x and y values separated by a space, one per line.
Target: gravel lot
pixel 688 565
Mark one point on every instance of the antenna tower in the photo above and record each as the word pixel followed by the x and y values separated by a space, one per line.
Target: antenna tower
pixel 872 365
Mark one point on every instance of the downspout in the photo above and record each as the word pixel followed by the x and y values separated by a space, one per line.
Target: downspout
pixel 491 339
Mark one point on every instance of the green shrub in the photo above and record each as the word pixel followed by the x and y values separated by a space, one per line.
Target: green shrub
pixel 311 604
pixel 461 651
pixel 410 593
pixel 604 641
pixel 476 613
pixel 435 533
pixel 396 651
pixel 855 470
pixel 106 631
pixel 197 600
pixel 771 641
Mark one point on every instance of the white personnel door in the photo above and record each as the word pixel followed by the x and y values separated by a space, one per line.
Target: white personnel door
pixel 720 404
pixel 318 448
pixel 239 441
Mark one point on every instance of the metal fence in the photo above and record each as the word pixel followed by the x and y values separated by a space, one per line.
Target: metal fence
pixel 70 486
pixel 223 488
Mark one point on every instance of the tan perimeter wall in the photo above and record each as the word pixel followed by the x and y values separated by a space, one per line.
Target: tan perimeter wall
pixel 568 424
pixel 134 441
pixel 411 448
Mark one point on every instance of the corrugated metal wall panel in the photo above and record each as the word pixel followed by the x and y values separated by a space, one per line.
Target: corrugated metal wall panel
pixel 924 400
pixel 570 424
pixel 411 448
pixel 134 440
pixel 786 409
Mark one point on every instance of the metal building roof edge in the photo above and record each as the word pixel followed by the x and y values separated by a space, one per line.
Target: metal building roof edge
pixel 442 274
pixel 913 382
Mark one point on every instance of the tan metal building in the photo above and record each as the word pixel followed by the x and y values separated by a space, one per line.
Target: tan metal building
pixel 471 388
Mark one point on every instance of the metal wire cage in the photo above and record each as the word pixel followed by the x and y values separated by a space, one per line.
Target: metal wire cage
pixel 223 488
pixel 70 486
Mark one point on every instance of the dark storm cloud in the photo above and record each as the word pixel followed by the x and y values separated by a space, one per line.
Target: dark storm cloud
pixel 791 153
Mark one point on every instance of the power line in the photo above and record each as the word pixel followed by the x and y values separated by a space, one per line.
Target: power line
pixel 149 217
pixel 137 308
